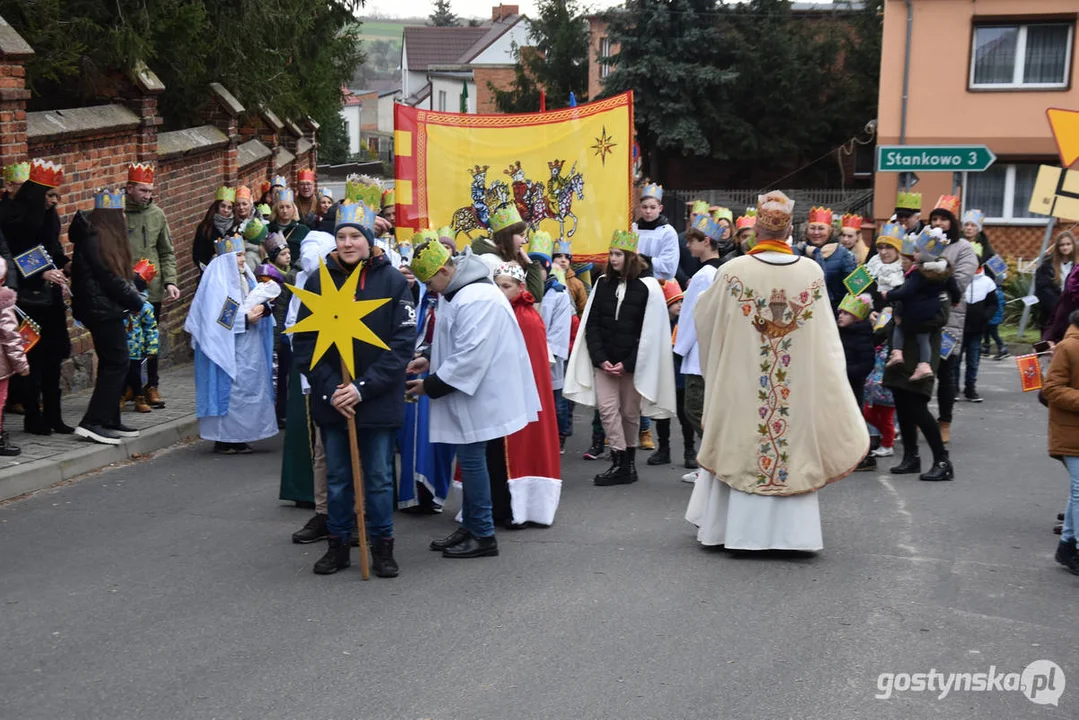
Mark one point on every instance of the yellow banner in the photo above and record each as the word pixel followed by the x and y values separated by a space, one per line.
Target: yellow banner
pixel 567 171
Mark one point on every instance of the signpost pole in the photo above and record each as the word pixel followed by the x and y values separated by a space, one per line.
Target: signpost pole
pixel 1041 255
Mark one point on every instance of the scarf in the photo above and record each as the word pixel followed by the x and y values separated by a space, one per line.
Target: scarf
pixel 771 246
pixel 222 223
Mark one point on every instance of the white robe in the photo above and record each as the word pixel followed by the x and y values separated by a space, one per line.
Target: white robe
pixel 686 343
pixel 654 374
pixel 661 245
pixel 479 350
pixel 557 314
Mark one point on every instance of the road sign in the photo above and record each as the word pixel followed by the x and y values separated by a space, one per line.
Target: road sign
pixel 934 158
pixel 1065 125
pixel 1056 193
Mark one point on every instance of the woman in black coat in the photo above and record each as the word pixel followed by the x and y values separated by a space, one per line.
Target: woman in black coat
pixel 102 297
pixel 215 225
pixel 1049 278
pixel 29 220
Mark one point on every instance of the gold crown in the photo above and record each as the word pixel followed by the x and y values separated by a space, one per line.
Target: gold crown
pixel 774 211
pixel 429 259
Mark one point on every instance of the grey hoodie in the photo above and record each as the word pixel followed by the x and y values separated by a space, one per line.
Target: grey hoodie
pixel 470 269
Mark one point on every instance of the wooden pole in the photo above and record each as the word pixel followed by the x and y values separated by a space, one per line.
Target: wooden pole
pixel 357 485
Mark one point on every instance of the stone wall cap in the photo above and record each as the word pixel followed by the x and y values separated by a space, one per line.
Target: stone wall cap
pixel 226 99
pixel 79 121
pixel 250 152
pixel 271 119
pixel 12 44
pixel 147 79
pixel 293 128
pixel 282 157
pixel 197 139
pixel 304 146
pixel 311 123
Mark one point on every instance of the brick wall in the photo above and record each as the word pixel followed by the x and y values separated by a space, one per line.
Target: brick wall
pixel 1024 241
pixel 501 77
pixel 95 145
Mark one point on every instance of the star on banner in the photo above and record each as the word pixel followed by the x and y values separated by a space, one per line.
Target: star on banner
pixel 604 146
pixel 337 317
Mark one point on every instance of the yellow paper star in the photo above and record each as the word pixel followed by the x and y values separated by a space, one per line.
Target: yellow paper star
pixel 337 317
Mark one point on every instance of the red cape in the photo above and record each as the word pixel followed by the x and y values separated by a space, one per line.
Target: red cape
pixel 534 451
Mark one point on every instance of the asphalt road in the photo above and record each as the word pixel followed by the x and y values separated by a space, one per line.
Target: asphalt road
pixel 170 589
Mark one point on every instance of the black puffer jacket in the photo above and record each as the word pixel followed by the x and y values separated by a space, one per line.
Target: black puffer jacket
pixel 615 339
pixel 97 293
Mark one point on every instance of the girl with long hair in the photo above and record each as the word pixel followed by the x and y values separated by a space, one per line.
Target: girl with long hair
pixel 509 233
pixel 1052 272
pixel 215 225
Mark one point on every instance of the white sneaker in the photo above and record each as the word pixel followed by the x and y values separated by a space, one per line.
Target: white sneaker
pixel 690 477
pixel 883 452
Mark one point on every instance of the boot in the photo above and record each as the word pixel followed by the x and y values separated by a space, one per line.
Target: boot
pixel 629 464
pixel 456 537
pixel 473 547
pixel 6 448
pixel 662 456
pixel 313 531
pixel 141 405
pixel 869 462
pixel 610 475
pixel 911 464
pixel 53 417
pixel 129 395
pixel 336 558
pixel 34 422
pixel 945 431
pixel 154 398
pixel 942 470
pixel 646 440
pixel 595 451
pixel 1066 553
pixel 382 562
pixel 690 459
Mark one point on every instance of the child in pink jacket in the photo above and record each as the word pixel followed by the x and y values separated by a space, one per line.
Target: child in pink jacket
pixel 12 356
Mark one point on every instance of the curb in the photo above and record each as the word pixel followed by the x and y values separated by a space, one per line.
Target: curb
pixel 39 474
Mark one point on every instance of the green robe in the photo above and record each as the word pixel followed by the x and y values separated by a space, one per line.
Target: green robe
pixel 297 476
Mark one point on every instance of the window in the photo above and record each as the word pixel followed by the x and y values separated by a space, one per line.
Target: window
pixel 865 159
pixel 604 51
pixel 1003 193
pixel 1021 56
pixel 442 101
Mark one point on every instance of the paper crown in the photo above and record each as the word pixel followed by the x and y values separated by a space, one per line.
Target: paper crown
pixel 857 305
pixel 254 230
pixel 672 292
pixel 389 197
pixel 910 201
pixel 265 187
pixel 909 246
pixel 429 259
pixel 357 213
pixel 820 215
pixel 505 216
pixel 360 188
pixel 243 193
pixel 140 173
pixel 698 207
pixel 949 203
pixel 274 243
pixel 230 244
pixel 404 249
pixel 145 270
pixel 710 227
pixel 265 210
pixel 279 181
pixel 17 172
pixel 974 216
pixel 47 173
pixel 424 235
pixel 510 269
pixel 774 211
pixel 624 240
pixel 326 192
pixel 305 175
pixel 225 193
pixel 722 213
pixel 748 220
pixel 446 232
pixel 854 222
pixel 284 195
pixel 541 244
pixel 931 241
pixel 563 247
pixel 109 199
pixel 892 234
pixel 652 190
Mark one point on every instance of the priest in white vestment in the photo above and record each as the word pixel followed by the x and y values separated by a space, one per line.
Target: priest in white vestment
pixel 777 424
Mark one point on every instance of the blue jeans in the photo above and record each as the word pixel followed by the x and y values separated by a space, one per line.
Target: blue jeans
pixel 563 408
pixel 476 515
pixel 376 447
pixel 1071 513
pixel 972 351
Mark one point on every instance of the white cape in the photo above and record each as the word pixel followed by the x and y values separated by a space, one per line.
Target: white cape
pixel 220 281
pixel 654 374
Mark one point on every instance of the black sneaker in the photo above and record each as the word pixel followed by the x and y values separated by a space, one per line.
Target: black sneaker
pixel 223 448
pixel 562 444
pixel 336 558
pixel 6 448
pixel 1002 354
pixel 124 431
pixel 98 434
pixel 986 352
pixel 313 531
pixel 595 452
pixel 972 395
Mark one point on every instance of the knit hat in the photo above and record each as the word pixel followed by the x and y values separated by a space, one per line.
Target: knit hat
pixel 273 245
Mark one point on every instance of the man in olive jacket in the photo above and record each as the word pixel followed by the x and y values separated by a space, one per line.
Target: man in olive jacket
pixel 149 237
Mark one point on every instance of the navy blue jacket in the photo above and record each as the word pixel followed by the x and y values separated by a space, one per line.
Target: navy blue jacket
pixel 380 374
pixel 920 295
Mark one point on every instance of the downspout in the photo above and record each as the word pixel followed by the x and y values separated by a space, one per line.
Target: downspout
pixel 906 82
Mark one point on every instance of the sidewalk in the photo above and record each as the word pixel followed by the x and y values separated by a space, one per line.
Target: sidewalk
pixel 47 460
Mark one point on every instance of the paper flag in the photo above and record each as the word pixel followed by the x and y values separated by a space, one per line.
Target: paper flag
pixel 997 265
pixel 947 345
pixel 858 281
pixel 884 319
pixel 1030 372
pixel 33 261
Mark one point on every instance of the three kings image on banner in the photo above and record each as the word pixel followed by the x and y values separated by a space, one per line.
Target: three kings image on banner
pixel 567 171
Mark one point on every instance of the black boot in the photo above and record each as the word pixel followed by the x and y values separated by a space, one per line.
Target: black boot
pixel 382 562
pixel 454 538
pixel 689 458
pixel 942 470
pixel 868 463
pixel 662 456
pixel 336 558
pixel 53 418
pixel 473 547
pixel 313 531
pixel 6 448
pixel 629 464
pixel 911 464
pixel 1066 553
pixel 611 473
